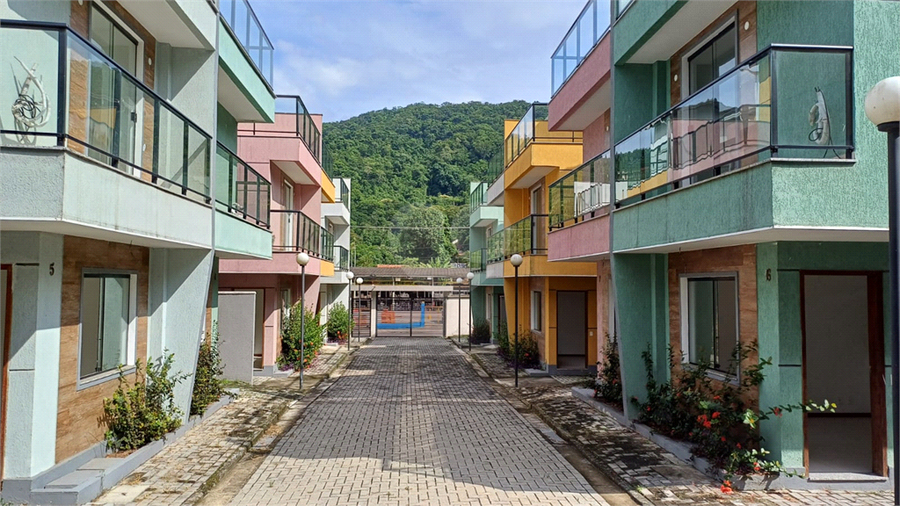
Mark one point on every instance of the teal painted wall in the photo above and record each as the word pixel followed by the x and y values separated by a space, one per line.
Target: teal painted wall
pixel 739 201
pixel 226 128
pixel 478 304
pixel 639 22
pixel 807 22
pixel 642 304
pixel 235 235
pixel 634 98
pixel 780 327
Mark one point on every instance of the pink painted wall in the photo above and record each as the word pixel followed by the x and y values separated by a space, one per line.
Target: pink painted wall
pixel 589 237
pixel 590 76
pixel 596 137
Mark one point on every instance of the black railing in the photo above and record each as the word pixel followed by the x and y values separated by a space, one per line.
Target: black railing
pixel 527 236
pixel 478 197
pixel 240 189
pixel 303 124
pixel 107 113
pixel 343 193
pixel 300 233
pixel 758 110
pixel 341 258
pixel 532 128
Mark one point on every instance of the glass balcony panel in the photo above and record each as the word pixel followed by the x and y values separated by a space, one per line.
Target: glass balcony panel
pixel 250 34
pixel 586 30
pixel 197 162
pixel 170 149
pixel 31 115
pixel 592 23
pixel 812 103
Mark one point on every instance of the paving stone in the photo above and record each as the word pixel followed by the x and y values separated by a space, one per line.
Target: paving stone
pixel 409 422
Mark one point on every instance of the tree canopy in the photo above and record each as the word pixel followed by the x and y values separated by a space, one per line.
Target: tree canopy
pixel 411 167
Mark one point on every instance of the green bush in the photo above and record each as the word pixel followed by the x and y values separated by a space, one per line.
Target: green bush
pixel 339 322
pixel 144 411
pixel 481 332
pixel 291 352
pixel 208 387
pixel 608 386
pixel 501 337
pixel 529 355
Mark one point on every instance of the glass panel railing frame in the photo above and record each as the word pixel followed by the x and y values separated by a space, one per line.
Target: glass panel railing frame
pixel 307 236
pixel 248 31
pixel 478 197
pixel 591 25
pixel 673 141
pixel 583 192
pixel 242 190
pixel 175 157
pixel 305 128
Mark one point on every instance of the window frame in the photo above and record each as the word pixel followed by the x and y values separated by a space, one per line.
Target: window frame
pixel 685 323
pixel 536 314
pixel 131 335
pixel 703 44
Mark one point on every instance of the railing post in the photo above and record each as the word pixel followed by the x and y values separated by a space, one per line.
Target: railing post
pixel 156 122
pixel 63 87
pixel 184 159
pixel 117 129
pixel 773 115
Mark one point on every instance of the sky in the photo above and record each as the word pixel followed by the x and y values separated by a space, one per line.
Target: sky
pixel 347 57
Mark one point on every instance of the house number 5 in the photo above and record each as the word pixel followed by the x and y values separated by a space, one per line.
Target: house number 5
pixel 52 270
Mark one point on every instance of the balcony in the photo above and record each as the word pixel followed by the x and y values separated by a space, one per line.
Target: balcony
pixel 338 212
pixel 341 258
pixel 527 236
pixel 299 233
pixel 133 167
pixel 293 142
pixel 247 30
pixel 758 111
pixel 531 150
pixel 477 197
pixel 590 26
pixel 477 260
pixel 582 193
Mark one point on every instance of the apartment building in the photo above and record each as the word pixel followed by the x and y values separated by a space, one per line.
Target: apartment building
pixel 121 190
pixel 746 203
pixel 534 158
pixel 488 303
pixel 306 213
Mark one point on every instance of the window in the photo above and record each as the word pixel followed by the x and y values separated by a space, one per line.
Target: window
pixel 536 311
pixel 713 59
pixel 709 326
pixel 107 322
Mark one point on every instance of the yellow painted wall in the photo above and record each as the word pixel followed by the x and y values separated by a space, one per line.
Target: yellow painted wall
pixel 326 268
pixel 328 190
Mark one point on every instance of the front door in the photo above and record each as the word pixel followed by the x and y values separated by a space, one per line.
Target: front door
pixel 843 359
pixel 571 330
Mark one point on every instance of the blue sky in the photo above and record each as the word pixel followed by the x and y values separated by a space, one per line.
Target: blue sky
pixel 347 57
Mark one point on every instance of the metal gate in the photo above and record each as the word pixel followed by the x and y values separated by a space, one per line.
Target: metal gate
pixel 408 315
pixel 362 316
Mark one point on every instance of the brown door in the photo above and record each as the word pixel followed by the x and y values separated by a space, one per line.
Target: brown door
pixel 5 326
pixel 571 330
pixel 843 362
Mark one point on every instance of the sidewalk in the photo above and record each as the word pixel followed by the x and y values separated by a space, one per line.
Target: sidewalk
pixel 187 469
pixel 650 474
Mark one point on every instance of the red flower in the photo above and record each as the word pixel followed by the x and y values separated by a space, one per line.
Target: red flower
pixel 648 408
pixel 723 438
pixel 726 487
pixel 715 414
pixel 717 398
pixel 776 411
pixel 739 446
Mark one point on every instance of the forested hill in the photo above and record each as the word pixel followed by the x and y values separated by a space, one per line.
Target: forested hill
pixel 411 167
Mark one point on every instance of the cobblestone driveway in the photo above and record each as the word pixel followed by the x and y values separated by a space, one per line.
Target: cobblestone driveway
pixel 409 423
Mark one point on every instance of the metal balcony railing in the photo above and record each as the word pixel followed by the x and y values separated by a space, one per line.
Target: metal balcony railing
pixel 341 258
pixel 477 259
pixel 299 233
pixel 583 191
pixel 527 236
pixel 69 94
pixel 532 128
pixel 343 193
pixel 758 110
pixel 246 28
pixel 240 190
pixel 478 197
pixel 302 125
pixel 591 25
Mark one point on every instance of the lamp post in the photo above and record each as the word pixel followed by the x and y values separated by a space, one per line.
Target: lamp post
pixel 516 261
pixel 302 259
pixel 470 276
pixel 349 275
pixel 883 109
pixel 359 282
pixel 459 311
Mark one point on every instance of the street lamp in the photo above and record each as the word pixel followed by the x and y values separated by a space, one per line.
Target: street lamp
pixel 516 261
pixel 883 109
pixel 302 259
pixel 459 311
pixel 349 275
pixel 359 282
pixel 470 275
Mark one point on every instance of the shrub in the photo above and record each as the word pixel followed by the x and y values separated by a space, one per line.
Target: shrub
pixel 208 387
pixel 481 332
pixel 529 355
pixel 714 415
pixel 291 353
pixel 145 410
pixel 339 322
pixel 608 386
